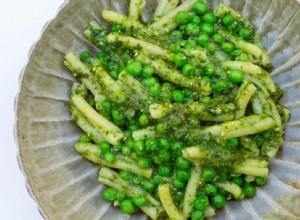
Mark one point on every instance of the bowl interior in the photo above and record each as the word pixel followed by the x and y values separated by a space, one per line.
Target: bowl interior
pixel 65 185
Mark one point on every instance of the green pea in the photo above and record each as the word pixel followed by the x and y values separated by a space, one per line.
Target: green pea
pixel 113 66
pixel 116 114
pixel 221 86
pixel 143 119
pixel 165 170
pixel 210 47
pixel 145 163
pixel 202 39
pixel 155 89
pixel 183 17
pixel 137 180
pixel 103 56
pixel 183 175
pixel 207 79
pixel 218 200
pixel 128 133
pixel 189 45
pixel 167 86
pixel 140 200
pixel 228 20
pixel 208 174
pixel 201 202
pixel 228 47
pixel 249 190
pixel 180 60
pixel 149 81
pixel 236 53
pixel 176 146
pixel 134 68
pixel 261 181
pixel 164 156
pixel 128 207
pixel 245 33
pixel 218 38
pixel 104 146
pixel 114 74
pixel 223 176
pixel 125 175
pixel 110 194
pixel 195 19
pixel 125 151
pixel 200 7
pixel 85 56
pixel 139 147
pixel 205 99
pixel 182 163
pixel 133 127
pixel 233 143
pixel 120 123
pixel 129 143
pixel 197 215
pixel 156 160
pixel 176 35
pixel 164 143
pixel 158 179
pixel 178 184
pixel 210 189
pixel 106 107
pixel 149 186
pixel 192 29
pixel 110 157
pixel 209 18
pixel 121 196
pixel 238 180
pixel 84 138
pixel 177 96
pixel 210 69
pixel 148 71
pixel 188 70
pixel 174 48
pixel 235 76
pixel 160 128
pixel 207 28
pixel 151 145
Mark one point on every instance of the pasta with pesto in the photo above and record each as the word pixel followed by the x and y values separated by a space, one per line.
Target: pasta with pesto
pixel 179 111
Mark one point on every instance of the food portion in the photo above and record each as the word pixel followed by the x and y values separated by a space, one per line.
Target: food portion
pixel 180 111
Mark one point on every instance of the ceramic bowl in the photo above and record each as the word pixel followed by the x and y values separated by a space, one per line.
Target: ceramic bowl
pixel 65 185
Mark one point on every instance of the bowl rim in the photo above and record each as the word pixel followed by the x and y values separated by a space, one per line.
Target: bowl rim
pixel 16 110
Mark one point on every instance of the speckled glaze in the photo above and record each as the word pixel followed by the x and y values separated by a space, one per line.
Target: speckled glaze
pixel 65 185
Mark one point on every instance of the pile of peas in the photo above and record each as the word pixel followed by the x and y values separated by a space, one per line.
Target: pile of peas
pixel 201 30
pixel 212 195
pixel 165 157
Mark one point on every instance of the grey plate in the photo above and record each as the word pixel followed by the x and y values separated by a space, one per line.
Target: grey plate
pixel 65 185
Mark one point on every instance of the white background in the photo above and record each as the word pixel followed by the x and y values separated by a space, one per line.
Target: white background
pixel 21 22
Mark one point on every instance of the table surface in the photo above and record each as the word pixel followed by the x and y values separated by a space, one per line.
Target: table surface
pixel 21 23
